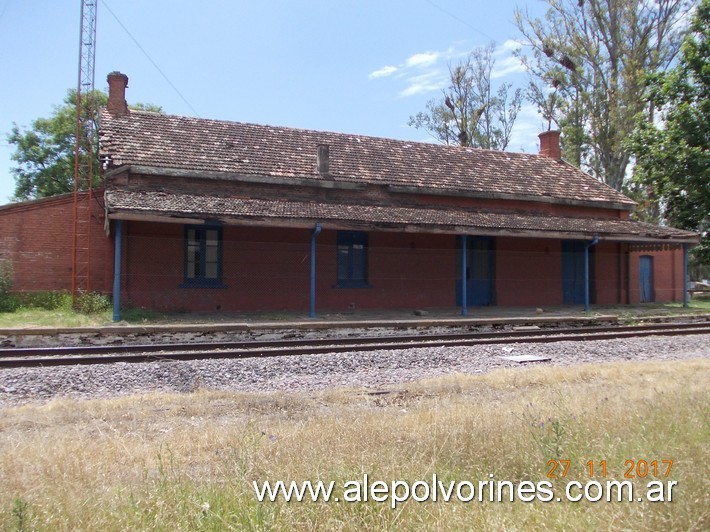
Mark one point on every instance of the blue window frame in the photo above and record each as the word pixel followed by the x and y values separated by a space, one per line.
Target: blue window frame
pixel 352 259
pixel 203 256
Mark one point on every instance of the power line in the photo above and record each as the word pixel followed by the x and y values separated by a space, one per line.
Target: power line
pixel 459 19
pixel 165 77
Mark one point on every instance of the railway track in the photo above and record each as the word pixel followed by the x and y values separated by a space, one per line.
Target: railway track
pixel 84 355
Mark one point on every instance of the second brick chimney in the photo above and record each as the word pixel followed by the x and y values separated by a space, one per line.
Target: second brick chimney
pixel 117 84
pixel 550 144
pixel 323 159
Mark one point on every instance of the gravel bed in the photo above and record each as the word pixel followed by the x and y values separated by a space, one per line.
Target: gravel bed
pixel 371 370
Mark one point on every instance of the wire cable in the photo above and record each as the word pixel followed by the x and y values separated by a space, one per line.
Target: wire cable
pixel 462 21
pixel 165 77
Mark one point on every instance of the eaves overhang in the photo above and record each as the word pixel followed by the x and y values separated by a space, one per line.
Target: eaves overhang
pixel 601 204
pixel 236 177
pixel 185 208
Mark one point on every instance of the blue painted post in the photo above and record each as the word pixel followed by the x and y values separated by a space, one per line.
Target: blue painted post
pixel 464 287
pixel 594 242
pixel 316 232
pixel 685 275
pixel 118 227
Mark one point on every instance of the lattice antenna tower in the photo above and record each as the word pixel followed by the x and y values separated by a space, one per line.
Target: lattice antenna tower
pixel 84 150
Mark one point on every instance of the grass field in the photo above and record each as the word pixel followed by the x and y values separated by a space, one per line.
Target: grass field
pixel 187 462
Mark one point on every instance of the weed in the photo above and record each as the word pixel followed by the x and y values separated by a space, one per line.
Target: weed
pixel 8 302
pixel 45 300
pixel 92 302
pixel 21 515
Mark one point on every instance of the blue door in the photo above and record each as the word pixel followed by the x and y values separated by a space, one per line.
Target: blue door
pixel 573 272
pixel 480 270
pixel 646 278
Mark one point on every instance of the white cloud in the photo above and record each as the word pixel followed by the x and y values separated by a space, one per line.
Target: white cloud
pixel 426 82
pixel 383 72
pixel 508 47
pixel 507 66
pixel 506 61
pixel 421 72
pixel 422 60
pixel 426 72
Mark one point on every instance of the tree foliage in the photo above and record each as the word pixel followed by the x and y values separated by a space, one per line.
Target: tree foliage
pixel 588 62
pixel 45 151
pixel 672 154
pixel 472 112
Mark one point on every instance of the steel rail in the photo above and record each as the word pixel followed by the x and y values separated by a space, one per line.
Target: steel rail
pixel 83 355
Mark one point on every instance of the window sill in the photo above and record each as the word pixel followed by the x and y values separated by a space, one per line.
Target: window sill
pixel 204 284
pixel 348 286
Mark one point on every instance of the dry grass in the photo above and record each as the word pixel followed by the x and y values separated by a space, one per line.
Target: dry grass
pixel 181 462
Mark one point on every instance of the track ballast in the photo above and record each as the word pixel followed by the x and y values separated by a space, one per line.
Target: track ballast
pixel 85 355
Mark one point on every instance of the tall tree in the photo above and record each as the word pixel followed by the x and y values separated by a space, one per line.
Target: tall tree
pixel 44 153
pixel 672 153
pixel 471 112
pixel 594 54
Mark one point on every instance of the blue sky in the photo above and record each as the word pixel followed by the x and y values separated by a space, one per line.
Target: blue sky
pixel 354 66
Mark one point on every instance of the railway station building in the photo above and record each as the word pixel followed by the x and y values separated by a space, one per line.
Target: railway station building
pixel 208 215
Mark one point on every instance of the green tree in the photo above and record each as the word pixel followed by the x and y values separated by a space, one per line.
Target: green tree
pixel 672 152
pixel 593 55
pixel 472 112
pixel 44 152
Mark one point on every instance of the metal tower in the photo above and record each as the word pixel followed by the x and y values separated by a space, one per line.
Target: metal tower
pixel 84 150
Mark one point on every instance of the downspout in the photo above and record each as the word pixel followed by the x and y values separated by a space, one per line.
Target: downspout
pixel 117 271
pixel 627 258
pixel 314 234
pixel 685 275
pixel 464 287
pixel 594 242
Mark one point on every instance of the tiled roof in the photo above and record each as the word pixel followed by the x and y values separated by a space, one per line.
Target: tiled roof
pixel 232 148
pixel 445 220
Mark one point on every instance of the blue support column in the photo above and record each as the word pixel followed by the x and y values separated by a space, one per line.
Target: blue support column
pixel 685 275
pixel 464 267
pixel 594 242
pixel 118 227
pixel 316 232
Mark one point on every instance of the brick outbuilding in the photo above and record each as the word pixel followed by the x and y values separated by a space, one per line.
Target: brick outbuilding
pixel 216 215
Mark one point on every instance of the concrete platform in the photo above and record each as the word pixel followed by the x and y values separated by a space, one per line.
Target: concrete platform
pixel 365 319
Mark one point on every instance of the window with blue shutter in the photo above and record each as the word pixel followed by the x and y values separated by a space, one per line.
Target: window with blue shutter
pixel 352 259
pixel 203 256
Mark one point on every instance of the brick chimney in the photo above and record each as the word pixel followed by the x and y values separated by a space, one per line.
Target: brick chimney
pixel 323 159
pixel 550 144
pixel 117 84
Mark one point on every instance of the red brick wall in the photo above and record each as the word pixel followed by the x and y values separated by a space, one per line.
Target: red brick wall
pixel 267 268
pixel 37 237
pixel 261 269
pixel 528 272
pixel 406 271
pixel 609 274
pixel 667 275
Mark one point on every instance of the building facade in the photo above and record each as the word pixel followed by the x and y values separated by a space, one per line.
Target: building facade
pixel 208 215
